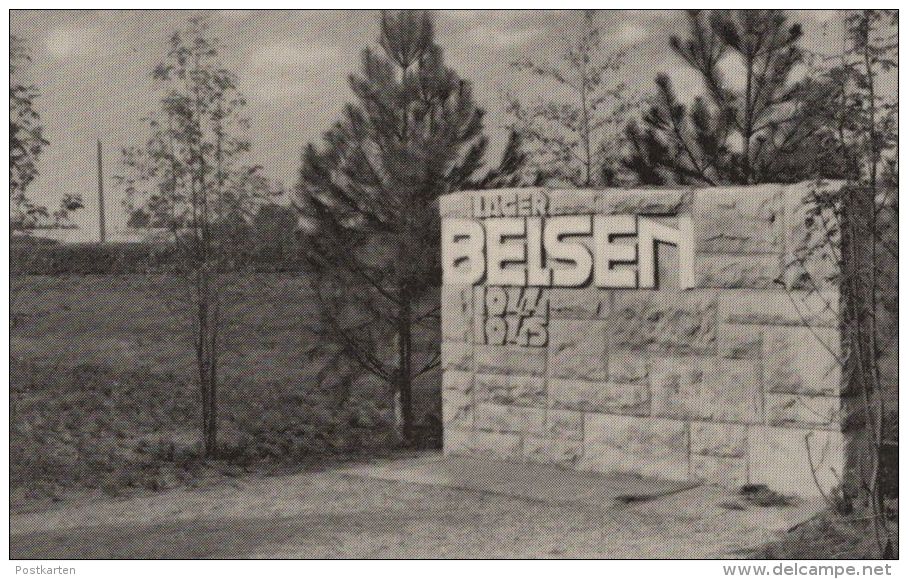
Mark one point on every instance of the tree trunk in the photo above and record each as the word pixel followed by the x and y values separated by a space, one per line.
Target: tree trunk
pixel 405 369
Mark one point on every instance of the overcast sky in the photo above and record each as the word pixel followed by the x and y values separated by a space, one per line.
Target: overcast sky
pixel 93 70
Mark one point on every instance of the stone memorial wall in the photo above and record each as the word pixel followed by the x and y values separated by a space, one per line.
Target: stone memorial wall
pixel 656 332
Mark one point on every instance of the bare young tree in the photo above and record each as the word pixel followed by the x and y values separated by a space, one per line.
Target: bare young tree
pixel 859 229
pixel 576 138
pixel 190 176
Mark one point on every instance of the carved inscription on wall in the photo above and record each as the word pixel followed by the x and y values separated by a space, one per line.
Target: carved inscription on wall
pixel 514 316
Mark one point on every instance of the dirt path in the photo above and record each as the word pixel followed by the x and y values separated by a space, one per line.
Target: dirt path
pixel 334 514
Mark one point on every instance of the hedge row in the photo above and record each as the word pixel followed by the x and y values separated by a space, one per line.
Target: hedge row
pixel 28 258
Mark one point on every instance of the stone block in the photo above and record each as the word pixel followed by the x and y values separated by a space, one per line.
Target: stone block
pixel 510 360
pixel 645 201
pixel 583 395
pixel 647 446
pixel 498 418
pixel 627 367
pixel 803 411
pixel 457 408
pixel 668 322
pixel 459 381
pixel 579 304
pixel 456 205
pixel 730 472
pixel 564 424
pixel 701 388
pixel 718 439
pixel 499 445
pixel 810 256
pixel 740 341
pixel 802 360
pixel 787 459
pixel 739 219
pixel 573 202
pixel 456 356
pixel 512 390
pixel 457 313
pixel 726 270
pixel 559 452
pixel 456 441
pixel 577 349
pixel 780 308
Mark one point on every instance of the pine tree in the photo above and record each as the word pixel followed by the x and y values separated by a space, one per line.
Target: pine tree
pixel 370 192
pixel 761 132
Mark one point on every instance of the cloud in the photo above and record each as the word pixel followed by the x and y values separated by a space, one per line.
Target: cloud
pixel 499 38
pixel 63 42
pixel 283 71
pixel 629 33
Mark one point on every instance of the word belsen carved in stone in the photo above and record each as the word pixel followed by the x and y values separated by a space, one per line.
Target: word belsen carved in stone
pixel 517 245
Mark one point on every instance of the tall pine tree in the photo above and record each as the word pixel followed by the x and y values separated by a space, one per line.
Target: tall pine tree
pixel 370 192
pixel 754 130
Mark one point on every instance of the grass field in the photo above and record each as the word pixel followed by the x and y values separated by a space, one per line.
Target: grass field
pixel 103 397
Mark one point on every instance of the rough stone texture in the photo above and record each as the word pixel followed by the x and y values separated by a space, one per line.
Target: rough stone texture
pixel 722 470
pixel 511 390
pixel 714 439
pixel 457 314
pixel 581 304
pixel 706 388
pixel 455 206
pixel 557 451
pixel 645 201
pixel 779 458
pixel 577 349
pixel 665 322
pixel 720 383
pixel 456 356
pixel 780 308
pixel 510 360
pixel 457 441
pixel 627 367
pixel 599 396
pixel 808 251
pixel 458 408
pixel 804 411
pixel 498 418
pixel 728 270
pixel 740 341
pixel 564 424
pixel 500 445
pixel 649 446
pixel 802 360
pixel 739 219
pixel 573 202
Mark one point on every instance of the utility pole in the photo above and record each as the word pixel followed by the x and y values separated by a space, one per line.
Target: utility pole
pixel 101 223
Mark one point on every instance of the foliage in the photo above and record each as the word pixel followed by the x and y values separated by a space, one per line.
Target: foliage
pixel 761 133
pixel 858 227
pixel 370 192
pixel 191 176
pixel 26 143
pixel 576 139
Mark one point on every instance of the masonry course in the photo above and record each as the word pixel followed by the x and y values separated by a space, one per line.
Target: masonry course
pixel 735 380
